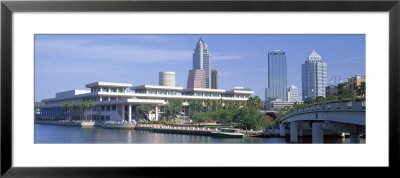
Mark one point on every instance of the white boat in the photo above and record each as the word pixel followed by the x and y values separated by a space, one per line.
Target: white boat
pixel 228 133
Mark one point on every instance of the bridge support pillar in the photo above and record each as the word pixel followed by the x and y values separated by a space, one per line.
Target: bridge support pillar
pixel 300 131
pixel 282 131
pixel 355 136
pixel 317 133
pixel 293 132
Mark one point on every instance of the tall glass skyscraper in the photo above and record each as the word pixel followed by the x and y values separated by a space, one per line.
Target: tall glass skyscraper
pixel 202 60
pixel 314 77
pixel 277 76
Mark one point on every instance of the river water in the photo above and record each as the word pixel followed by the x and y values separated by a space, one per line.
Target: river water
pixel 66 134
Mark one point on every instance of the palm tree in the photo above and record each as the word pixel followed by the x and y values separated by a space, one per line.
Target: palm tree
pixel 209 105
pixel 220 103
pixel 174 107
pixel 86 106
pixel 82 107
pixel 143 110
pixel 67 107
pixel 90 106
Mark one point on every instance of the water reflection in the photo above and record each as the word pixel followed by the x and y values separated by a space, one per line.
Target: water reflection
pixel 65 134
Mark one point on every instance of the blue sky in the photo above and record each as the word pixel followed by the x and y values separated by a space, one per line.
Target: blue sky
pixel 66 62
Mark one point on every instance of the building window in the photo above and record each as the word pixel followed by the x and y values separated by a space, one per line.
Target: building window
pixel 151 91
pixel 113 89
pixel 161 92
pixel 104 89
pixel 171 92
pixel 120 90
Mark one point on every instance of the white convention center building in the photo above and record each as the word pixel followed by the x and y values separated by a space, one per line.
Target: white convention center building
pixel 118 101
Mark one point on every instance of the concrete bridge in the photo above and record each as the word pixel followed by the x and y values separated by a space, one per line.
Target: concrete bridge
pixel 331 118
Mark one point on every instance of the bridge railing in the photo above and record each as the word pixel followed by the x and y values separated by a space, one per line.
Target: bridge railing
pixel 338 106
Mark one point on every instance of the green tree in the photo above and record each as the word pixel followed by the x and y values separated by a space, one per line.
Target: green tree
pixel 85 107
pixel 345 94
pixel 311 101
pixel 36 108
pixel 209 105
pixel 320 99
pixel 331 98
pixel 143 110
pixel 249 118
pixel 342 85
pixel 67 107
pixel 255 102
pixel 361 89
pixel 173 108
pixel 198 117
pixel 195 106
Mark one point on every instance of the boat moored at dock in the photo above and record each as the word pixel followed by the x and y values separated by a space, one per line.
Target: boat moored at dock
pixel 228 133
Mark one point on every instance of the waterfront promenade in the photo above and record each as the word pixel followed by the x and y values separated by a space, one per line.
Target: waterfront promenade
pixel 158 128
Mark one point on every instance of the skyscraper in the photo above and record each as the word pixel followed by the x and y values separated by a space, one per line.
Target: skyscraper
pixel 314 77
pixel 293 95
pixel 277 76
pixel 202 60
pixel 214 79
pixel 196 79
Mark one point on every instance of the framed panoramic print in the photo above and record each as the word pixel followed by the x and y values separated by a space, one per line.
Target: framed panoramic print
pixel 136 88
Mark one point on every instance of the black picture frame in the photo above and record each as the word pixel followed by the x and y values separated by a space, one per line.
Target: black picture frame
pixel 8 7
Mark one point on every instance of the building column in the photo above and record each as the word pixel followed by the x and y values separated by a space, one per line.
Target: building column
pixel 293 132
pixel 130 113
pixel 317 133
pixel 282 131
pixel 123 112
pixel 156 113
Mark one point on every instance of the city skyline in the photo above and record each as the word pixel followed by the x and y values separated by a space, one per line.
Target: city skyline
pixel 240 59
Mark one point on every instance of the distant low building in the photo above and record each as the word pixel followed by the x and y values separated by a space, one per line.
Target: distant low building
pixel 293 93
pixel 331 90
pixel 354 82
pixel 273 105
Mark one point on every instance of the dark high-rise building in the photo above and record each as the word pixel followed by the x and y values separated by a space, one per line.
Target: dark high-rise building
pixel 277 76
pixel 196 79
pixel 214 79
